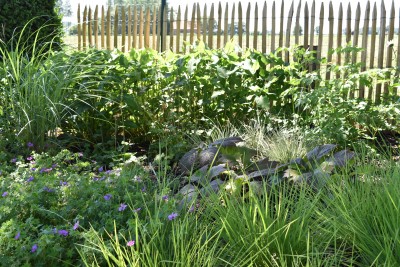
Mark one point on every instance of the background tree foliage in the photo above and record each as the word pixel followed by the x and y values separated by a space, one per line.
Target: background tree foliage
pixel 39 18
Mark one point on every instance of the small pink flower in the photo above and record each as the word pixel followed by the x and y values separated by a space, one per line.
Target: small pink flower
pixel 131 243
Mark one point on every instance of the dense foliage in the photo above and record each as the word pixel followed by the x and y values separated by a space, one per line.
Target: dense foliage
pixel 75 191
pixel 29 22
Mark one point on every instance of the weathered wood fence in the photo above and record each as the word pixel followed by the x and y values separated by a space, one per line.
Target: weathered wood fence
pixel 137 27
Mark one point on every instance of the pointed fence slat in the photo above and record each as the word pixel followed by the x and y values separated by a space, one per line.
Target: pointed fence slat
pixel 365 46
pixel 264 28
pixel 185 24
pixel 96 27
pixel 232 32
pixel 123 32
pixel 205 24
pixel 281 26
pixel 198 22
pixel 154 29
pixel 191 40
pixel 129 27
pixel 297 25
pixel 141 26
pixel 178 30
pixel 219 31
pixel 306 25
pixel 84 28
pixel 135 23
pixel 339 37
pixel 240 24
pixel 102 26
pixel 226 20
pixel 273 33
pixel 381 49
pixel 311 47
pixel 288 31
pixel 116 28
pixel 321 31
pixel 108 39
pixel 255 32
pixel 348 32
pixel 248 25
pixel 79 26
pixel 89 24
pixel 330 38
pixel 147 29
pixel 211 27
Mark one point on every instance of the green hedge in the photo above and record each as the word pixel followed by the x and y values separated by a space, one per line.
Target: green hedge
pixel 35 15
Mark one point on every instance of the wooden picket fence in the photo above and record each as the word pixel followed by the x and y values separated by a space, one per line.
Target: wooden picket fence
pixel 142 29
pixel 137 27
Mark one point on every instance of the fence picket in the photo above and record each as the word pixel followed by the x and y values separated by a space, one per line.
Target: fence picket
pixel 84 28
pixel 240 24
pixel 381 49
pixel 297 25
pixel 96 27
pixel 330 38
pixel 264 28
pixel 219 25
pixel 116 28
pixel 210 27
pixel 108 40
pixel 364 46
pixel 306 25
pixel 178 30
pixel 248 26
pixel 255 32
pixel 79 27
pixel 273 33
pixel 123 27
pixel 288 31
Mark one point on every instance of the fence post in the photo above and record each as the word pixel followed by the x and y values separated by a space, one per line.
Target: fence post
pixel 163 6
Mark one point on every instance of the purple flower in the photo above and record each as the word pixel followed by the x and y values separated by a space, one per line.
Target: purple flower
pixel 137 210
pixel 17 236
pixel 107 197
pixel 63 232
pixel 76 225
pixel 131 243
pixel 101 169
pixel 30 158
pixel 33 169
pixel 143 189
pixel 191 209
pixel 62 183
pixel 108 172
pixel 55 165
pixel 30 179
pixel 4 194
pixel 172 216
pixel 30 144
pixel 165 198
pixel 80 154
pixel 14 160
pixel 122 207
pixel 34 248
pixel 48 189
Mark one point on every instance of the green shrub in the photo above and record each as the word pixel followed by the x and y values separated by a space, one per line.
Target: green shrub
pixel 29 22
